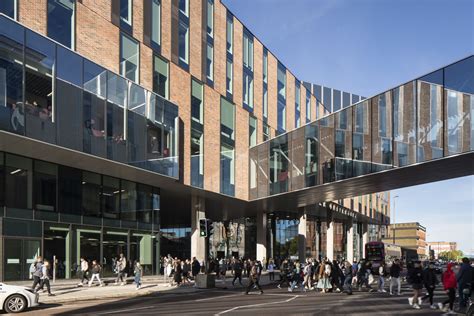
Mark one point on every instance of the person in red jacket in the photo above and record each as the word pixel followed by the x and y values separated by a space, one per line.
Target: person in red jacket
pixel 450 284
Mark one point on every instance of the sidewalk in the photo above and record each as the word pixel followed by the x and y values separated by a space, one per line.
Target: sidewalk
pixel 67 291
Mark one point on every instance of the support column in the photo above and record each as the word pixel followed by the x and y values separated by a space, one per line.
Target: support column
pixel 350 241
pixel 302 236
pixel 330 236
pixel 198 243
pixel 261 235
pixel 365 237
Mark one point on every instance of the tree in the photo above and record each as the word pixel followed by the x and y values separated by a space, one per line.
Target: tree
pixel 450 255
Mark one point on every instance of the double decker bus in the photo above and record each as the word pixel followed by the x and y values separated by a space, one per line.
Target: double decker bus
pixel 377 251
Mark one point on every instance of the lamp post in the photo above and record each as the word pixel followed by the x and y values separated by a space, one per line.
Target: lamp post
pixel 393 222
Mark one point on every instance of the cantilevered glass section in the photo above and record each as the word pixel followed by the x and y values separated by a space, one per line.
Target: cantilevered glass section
pixel 425 119
pixel 52 94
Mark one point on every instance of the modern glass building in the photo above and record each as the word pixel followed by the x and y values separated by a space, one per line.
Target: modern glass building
pixel 122 123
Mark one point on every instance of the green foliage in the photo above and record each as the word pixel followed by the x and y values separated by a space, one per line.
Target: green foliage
pixel 451 255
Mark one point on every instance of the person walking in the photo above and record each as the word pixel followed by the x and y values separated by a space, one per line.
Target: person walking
pixel 37 272
pixel 381 284
pixel 449 285
pixel 138 272
pixel 178 270
pixel 45 273
pixel 348 272
pixel 271 270
pixel 84 270
pixel 96 270
pixel 429 281
pixel 395 277
pixel 284 270
pixel 415 278
pixel 120 266
pixel 237 268
pixel 222 272
pixel 253 278
pixel 464 279
pixel 307 275
pixel 195 267
pixel 324 283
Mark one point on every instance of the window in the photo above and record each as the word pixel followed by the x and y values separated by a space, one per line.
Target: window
pixel 129 58
pixel 197 102
pixel 9 8
pixel 126 11
pixel 266 132
pixel 61 21
pixel 252 131
pixel 265 102
pixel 248 90
pixel 229 73
pixel 297 104
pixel 327 98
pixel 248 50
pixel 308 106
pixel 160 77
pixel 210 18
pixel 346 99
pixel 197 135
pixel 184 7
pixel 91 193
pixel 227 183
pixel 183 42
pixel 210 62
pixel 281 119
pixel 18 182
pixel 265 65
pixel 156 22
pixel 110 197
pixel 336 100
pixel 44 184
pixel 230 33
pixel 128 200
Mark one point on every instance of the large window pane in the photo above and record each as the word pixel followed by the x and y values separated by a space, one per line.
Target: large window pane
pixel 160 77
pixel 69 190
pixel 39 62
pixel 94 125
pixel 126 11
pixel 18 182
pixel 128 197
pixel 117 96
pixel 382 132
pixel 361 139
pixel 61 21
pixel 183 46
pixel 279 165
pixel 430 121
pixel 311 154
pixel 170 142
pixel 110 197
pixel 9 8
pixel 95 79
pixel 136 124
pixel 404 124
pixel 252 131
pixel 227 183
pixel 459 93
pixel 326 153
pixel 129 58
pixel 91 194
pixel 144 203
pixel 12 116
pixel 69 66
pixel 156 21
pixel 69 115
pixel 197 157
pixel 45 184
pixel 343 148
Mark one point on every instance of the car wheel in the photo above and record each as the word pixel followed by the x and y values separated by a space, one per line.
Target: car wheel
pixel 15 303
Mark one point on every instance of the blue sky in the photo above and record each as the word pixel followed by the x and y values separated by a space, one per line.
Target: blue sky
pixel 367 47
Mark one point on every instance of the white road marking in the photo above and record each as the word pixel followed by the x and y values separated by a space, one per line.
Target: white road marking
pixel 217 297
pixel 126 310
pixel 257 305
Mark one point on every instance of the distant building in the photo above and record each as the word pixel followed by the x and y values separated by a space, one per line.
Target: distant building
pixel 408 235
pixel 442 246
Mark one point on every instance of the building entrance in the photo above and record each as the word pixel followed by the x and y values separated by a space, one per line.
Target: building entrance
pixel 57 250
pixel 19 255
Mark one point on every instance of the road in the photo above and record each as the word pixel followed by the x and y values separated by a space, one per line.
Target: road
pixel 233 302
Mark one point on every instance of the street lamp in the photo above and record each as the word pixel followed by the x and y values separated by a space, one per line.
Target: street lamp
pixel 393 221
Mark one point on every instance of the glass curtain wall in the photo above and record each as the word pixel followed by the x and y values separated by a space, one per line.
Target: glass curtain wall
pixel 326 154
pixel 279 165
pixel 361 139
pixel 343 142
pixel 404 126
pixel 311 154
pixel 382 152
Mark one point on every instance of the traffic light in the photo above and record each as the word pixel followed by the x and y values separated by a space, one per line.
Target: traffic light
pixel 210 228
pixel 203 227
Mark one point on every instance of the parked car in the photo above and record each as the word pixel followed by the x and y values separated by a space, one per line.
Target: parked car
pixel 16 299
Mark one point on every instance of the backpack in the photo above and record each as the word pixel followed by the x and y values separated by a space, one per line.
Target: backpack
pixel 32 268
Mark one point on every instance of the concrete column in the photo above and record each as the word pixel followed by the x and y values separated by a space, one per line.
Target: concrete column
pixel 302 236
pixel 261 235
pixel 365 237
pixel 330 237
pixel 198 245
pixel 350 242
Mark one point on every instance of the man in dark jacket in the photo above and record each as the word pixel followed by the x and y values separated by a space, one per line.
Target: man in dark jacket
pixel 253 278
pixel 195 267
pixel 395 276
pixel 284 270
pixel 464 279
pixel 237 267
pixel 415 278
pixel 429 281
pixel 348 278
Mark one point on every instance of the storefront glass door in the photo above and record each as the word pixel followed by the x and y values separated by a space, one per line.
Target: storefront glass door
pixel 19 255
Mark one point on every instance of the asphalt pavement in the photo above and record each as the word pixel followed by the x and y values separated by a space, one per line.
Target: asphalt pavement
pixel 233 301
